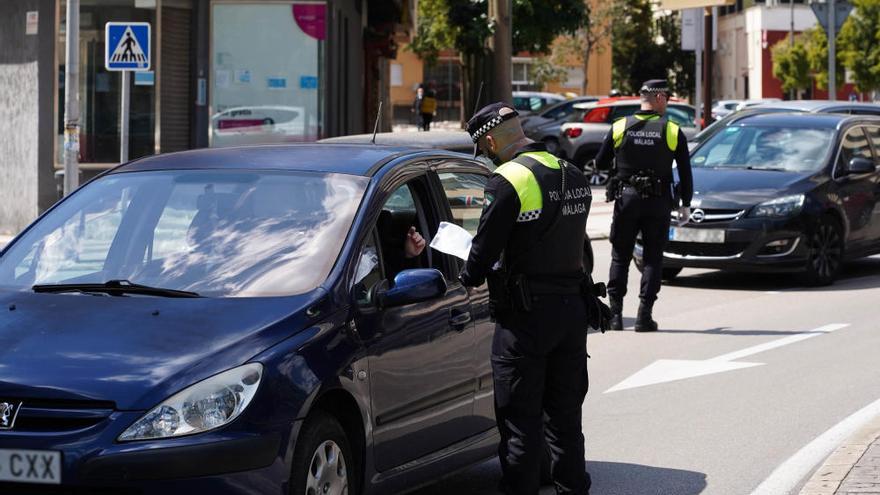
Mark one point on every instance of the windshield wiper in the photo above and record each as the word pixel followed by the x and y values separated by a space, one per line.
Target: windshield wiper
pixel 771 169
pixel 115 288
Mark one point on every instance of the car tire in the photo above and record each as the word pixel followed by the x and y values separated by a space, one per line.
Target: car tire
pixel 669 274
pixel 826 246
pixel 552 145
pixel 323 444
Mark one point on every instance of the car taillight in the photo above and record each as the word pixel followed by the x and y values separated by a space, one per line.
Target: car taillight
pixel 574 132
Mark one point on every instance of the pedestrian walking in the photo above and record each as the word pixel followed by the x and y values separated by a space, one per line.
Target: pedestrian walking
pixel 529 247
pixel 424 106
pixel 640 150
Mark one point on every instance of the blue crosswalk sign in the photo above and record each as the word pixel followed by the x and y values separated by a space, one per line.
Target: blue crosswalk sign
pixel 127 46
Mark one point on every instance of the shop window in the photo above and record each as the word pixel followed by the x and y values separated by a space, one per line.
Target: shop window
pixel 266 72
pixel 100 90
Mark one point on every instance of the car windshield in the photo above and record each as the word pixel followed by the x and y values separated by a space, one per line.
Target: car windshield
pixel 786 149
pixel 230 233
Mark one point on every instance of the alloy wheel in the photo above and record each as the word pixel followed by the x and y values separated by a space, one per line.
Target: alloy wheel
pixel 327 471
pixel 826 251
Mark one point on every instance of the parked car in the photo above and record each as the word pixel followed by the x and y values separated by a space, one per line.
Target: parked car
pixel 544 126
pixel 527 102
pixel 581 138
pixel 723 108
pixel 239 320
pixel 742 105
pixel 805 106
pixel 782 193
pixel 458 141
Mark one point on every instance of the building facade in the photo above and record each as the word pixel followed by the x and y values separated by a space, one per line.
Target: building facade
pixel 223 73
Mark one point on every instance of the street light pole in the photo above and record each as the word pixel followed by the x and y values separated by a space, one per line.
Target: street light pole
pixel 71 99
pixel 793 92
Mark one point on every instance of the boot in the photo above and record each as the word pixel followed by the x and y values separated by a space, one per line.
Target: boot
pixel 616 322
pixel 644 321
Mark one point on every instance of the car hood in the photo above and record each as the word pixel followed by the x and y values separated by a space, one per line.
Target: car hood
pixel 740 189
pixel 133 351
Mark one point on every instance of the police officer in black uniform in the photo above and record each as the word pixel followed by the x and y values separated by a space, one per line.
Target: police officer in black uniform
pixel 530 246
pixel 643 147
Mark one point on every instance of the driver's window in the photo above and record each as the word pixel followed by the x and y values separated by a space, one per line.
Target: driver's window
pixel 855 145
pixel 399 214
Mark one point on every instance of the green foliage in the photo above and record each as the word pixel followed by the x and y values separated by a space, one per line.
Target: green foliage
pixel 536 23
pixel 595 29
pixel 544 70
pixel 461 25
pixel 791 65
pixel 645 48
pixel 859 44
pixel 816 46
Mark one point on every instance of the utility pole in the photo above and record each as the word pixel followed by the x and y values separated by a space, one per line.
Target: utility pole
pixel 832 52
pixel 502 50
pixel 71 99
pixel 707 65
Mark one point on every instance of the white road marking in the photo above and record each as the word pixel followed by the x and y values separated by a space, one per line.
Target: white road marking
pixel 668 370
pixel 787 475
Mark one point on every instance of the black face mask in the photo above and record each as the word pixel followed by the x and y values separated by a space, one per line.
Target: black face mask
pixel 495 158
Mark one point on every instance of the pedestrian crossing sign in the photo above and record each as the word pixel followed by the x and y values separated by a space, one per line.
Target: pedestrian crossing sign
pixel 127 46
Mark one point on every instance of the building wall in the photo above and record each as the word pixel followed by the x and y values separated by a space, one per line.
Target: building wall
pixel 26 182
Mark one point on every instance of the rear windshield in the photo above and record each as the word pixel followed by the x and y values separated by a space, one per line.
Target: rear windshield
pixel 216 233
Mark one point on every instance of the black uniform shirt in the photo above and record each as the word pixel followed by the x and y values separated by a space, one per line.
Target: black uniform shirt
pixel 681 155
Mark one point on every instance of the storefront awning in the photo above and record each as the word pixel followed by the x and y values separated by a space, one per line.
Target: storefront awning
pixel 690 4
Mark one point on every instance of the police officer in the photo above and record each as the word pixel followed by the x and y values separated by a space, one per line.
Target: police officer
pixel 530 245
pixel 643 147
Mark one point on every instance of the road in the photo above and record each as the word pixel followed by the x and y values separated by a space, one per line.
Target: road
pixel 813 355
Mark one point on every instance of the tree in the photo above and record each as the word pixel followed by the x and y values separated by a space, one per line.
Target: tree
pixel 544 70
pixel 464 26
pixel 591 35
pixel 816 46
pixel 791 65
pixel 649 48
pixel 859 44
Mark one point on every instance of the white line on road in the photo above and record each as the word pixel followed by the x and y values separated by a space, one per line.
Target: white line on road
pixel 668 370
pixel 787 475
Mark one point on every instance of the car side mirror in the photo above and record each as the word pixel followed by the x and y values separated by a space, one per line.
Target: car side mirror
pixel 413 286
pixel 860 165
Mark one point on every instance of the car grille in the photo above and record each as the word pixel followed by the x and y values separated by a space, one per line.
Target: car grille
pixel 40 415
pixel 706 249
pixel 713 215
pixel 28 489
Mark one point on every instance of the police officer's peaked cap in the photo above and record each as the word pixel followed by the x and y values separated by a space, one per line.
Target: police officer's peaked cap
pixel 486 119
pixel 655 86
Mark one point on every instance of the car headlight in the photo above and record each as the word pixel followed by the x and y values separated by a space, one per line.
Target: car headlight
pixel 779 207
pixel 207 405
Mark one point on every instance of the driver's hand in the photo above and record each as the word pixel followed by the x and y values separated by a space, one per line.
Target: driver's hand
pixel 414 244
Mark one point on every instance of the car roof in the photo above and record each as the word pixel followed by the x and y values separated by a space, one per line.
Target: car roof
pixel 444 140
pixel 621 103
pixel 543 94
pixel 352 159
pixel 826 120
pixel 816 105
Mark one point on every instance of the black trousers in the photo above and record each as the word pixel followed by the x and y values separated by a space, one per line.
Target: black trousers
pixel 425 121
pixel 539 364
pixel 634 214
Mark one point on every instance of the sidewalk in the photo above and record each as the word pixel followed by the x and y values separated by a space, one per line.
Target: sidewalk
pixel 599 221
pixel 853 469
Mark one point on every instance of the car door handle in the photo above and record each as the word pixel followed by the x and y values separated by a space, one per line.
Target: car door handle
pixel 460 319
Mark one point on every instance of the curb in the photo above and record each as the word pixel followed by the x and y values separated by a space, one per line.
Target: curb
pixel 831 475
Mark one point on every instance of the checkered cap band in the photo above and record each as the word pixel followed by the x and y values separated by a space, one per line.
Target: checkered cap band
pixel 647 90
pixel 488 126
pixel 529 216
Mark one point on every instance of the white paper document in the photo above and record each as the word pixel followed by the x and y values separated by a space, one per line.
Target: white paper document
pixel 452 239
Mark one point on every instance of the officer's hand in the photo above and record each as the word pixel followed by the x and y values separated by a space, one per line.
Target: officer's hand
pixel 414 244
pixel 684 214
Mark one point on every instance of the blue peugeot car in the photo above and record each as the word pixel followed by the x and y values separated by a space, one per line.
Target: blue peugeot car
pixel 246 320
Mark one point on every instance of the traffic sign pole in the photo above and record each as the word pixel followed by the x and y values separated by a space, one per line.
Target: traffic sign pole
pixel 71 99
pixel 125 104
pixel 832 49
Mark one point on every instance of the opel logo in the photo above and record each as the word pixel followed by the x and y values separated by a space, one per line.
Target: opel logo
pixel 698 215
pixel 8 412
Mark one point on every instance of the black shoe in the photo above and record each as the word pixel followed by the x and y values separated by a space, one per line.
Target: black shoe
pixel 616 321
pixel 644 321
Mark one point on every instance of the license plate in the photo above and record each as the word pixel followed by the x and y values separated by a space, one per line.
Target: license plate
pixel 30 466
pixel 684 234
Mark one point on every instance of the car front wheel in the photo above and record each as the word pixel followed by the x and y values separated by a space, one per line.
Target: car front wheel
pixel 826 252
pixel 323 463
